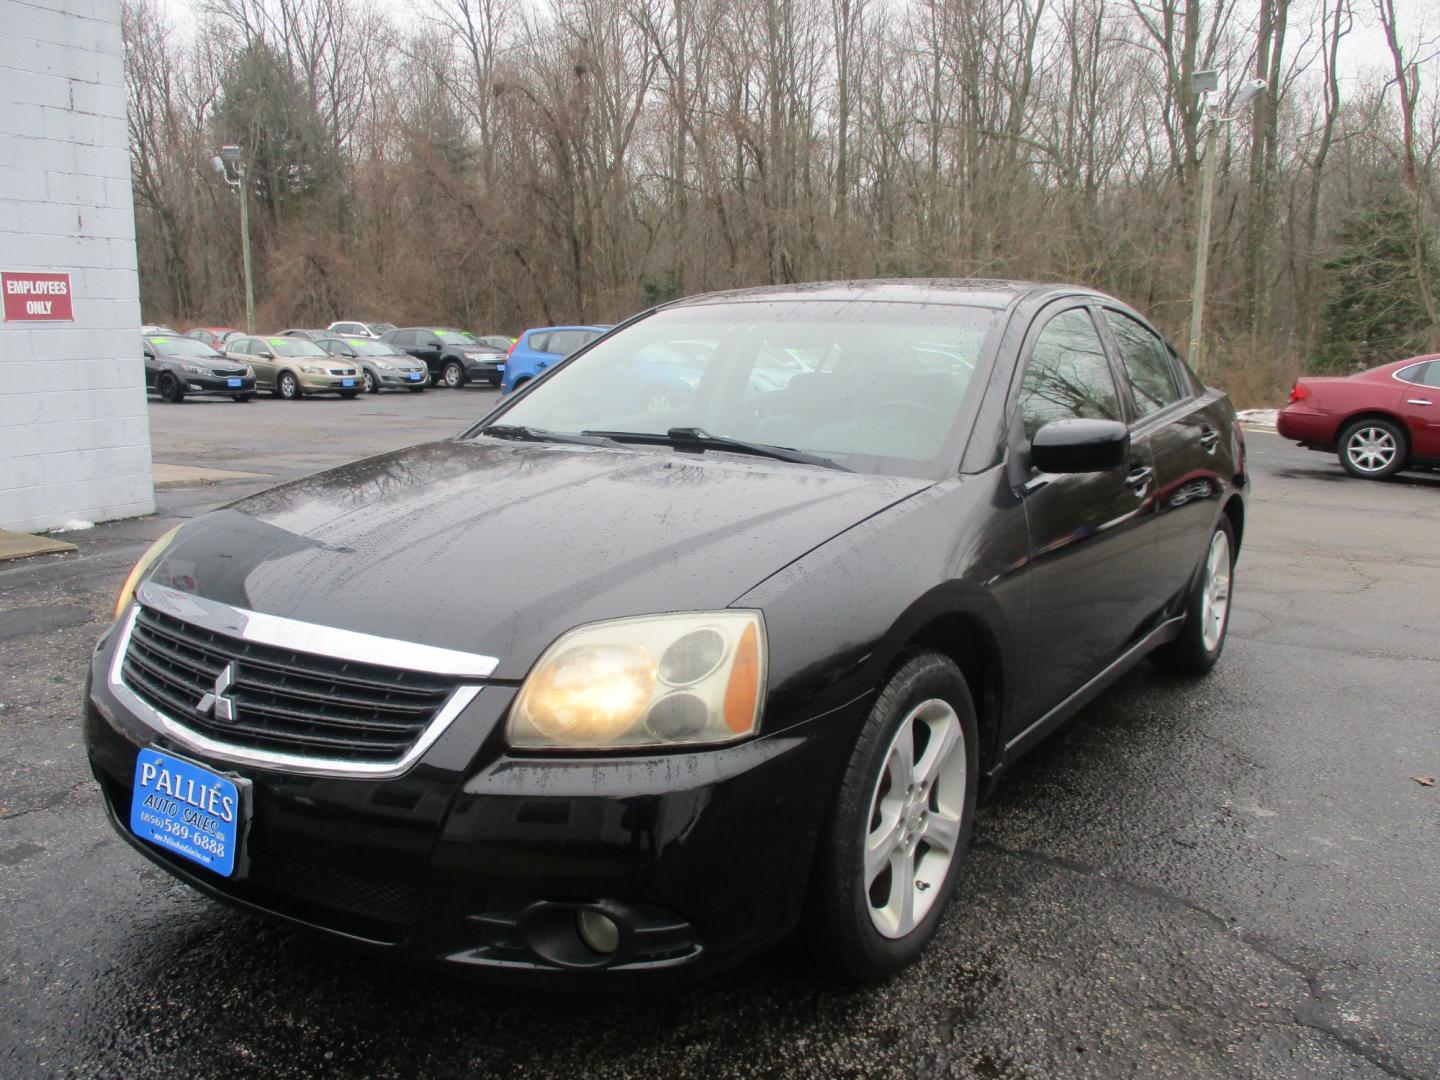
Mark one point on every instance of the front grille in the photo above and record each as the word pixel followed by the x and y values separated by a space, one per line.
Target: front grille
pixel 228 372
pixel 283 700
pixel 342 371
pixel 309 880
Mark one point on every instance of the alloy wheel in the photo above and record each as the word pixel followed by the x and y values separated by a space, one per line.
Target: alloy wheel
pixel 1371 449
pixel 1215 600
pixel 913 828
pixel 371 386
pixel 453 376
pixel 289 388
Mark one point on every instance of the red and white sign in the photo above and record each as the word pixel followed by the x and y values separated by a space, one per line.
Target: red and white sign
pixel 36 297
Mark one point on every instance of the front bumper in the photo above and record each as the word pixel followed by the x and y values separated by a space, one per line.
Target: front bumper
pixel 396 380
pixel 479 861
pixel 216 384
pixel 329 384
pixel 485 371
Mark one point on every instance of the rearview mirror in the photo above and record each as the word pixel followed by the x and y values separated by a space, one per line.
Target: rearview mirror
pixel 1080 446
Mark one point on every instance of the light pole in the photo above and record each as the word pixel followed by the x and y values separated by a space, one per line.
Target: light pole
pixel 1207 85
pixel 228 158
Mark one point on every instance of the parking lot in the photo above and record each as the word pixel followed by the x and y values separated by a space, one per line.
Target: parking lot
pixel 1234 876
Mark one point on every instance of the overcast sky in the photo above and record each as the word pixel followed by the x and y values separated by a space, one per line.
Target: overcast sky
pixel 1363 53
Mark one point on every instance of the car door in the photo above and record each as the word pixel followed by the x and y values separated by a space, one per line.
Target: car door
pixel 1419 404
pixel 152 366
pixel 1184 431
pixel 1092 536
pixel 428 347
pixel 262 358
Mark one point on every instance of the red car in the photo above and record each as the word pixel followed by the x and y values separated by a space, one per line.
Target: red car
pixel 214 336
pixel 1378 422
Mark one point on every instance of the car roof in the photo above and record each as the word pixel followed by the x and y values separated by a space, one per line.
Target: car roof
pixel 970 292
pixel 538 329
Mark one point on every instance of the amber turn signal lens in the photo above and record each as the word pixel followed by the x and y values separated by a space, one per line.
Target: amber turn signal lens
pixel 744 685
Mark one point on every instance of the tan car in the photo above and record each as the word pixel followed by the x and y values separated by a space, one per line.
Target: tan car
pixel 291 367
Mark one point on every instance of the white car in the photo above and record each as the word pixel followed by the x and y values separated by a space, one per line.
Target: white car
pixel 360 329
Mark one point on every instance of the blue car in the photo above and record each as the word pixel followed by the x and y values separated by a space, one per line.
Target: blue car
pixel 540 348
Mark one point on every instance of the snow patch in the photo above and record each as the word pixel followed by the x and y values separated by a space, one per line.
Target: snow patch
pixel 74 526
pixel 1258 417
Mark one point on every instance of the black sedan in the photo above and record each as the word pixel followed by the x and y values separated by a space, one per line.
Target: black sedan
pixel 748 669
pixel 178 367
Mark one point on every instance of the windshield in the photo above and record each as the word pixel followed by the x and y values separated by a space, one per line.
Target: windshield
pixel 370 347
pixel 454 337
pixel 875 387
pixel 289 346
pixel 182 346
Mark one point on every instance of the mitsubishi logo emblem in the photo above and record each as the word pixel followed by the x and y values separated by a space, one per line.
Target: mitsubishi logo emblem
pixel 216 700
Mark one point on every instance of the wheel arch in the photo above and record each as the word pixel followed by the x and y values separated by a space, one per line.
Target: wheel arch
pixel 1234 509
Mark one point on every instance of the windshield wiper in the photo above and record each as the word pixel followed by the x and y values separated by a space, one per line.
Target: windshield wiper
pixel 700 439
pixel 521 433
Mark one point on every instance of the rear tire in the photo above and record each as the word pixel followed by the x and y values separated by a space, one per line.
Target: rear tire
pixel 287 387
pixel 171 390
pixel 904 808
pixel 1207 610
pixel 1373 449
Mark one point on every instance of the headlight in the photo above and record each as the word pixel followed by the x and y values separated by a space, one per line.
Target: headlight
pixel 653 680
pixel 313 369
pixel 249 372
pixel 196 369
pixel 146 561
pixel 383 365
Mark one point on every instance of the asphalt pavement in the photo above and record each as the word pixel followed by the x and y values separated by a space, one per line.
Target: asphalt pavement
pixel 1227 877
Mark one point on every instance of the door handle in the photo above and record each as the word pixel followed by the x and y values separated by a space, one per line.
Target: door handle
pixel 1209 439
pixel 1139 479
pixel 1418 401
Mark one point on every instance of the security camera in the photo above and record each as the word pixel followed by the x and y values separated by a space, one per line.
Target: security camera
pixel 1248 92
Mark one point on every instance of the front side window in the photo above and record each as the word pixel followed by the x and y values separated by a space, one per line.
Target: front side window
pixel 850 381
pixel 1146 362
pixel 1068 375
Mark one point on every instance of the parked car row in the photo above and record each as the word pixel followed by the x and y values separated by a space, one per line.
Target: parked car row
pixel 348 357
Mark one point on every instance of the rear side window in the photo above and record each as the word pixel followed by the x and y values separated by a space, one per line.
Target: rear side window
pixel 1147 364
pixel 241 346
pixel 402 339
pixel 1068 375
pixel 539 342
pixel 566 342
pixel 1427 374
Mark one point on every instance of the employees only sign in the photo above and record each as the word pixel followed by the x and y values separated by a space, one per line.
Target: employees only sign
pixel 31 297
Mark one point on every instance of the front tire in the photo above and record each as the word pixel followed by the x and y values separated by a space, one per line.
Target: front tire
pixel 170 390
pixel 1373 449
pixel 1207 610
pixel 454 375
pixel 349 395
pixel 891 853
pixel 287 387
pixel 242 398
pixel 372 384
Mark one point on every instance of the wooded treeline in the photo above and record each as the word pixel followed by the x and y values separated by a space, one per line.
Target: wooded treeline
pixel 497 164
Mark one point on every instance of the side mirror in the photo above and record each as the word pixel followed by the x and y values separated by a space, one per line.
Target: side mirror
pixel 1080 446
pixel 265 354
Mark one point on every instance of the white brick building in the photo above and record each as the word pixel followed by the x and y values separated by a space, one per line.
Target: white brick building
pixel 74 433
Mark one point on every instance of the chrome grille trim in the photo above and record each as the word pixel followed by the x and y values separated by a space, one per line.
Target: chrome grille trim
pixel 306 764
pixel 314 638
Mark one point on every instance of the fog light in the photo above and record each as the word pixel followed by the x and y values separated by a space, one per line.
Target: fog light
pixel 598 931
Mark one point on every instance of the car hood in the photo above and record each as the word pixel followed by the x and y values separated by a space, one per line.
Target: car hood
pixel 497 548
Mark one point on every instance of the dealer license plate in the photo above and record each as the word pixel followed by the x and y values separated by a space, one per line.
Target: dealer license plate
pixel 416 376
pixel 188 810
pixel 234 382
pixel 500 368
pixel 347 382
